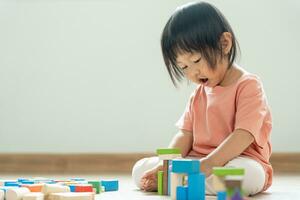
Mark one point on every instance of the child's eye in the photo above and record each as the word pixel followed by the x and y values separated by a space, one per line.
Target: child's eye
pixel 196 61
pixel 185 67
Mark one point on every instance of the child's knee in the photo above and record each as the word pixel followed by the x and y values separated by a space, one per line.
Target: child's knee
pixel 141 166
pixel 254 178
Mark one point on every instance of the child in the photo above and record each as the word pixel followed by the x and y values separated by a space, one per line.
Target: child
pixel 227 121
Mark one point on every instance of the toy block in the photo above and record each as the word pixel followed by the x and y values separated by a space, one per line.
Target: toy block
pixel 169 176
pixel 160 175
pixel 218 183
pixel 33 196
pixel 54 188
pixel 27 182
pixel 34 187
pixel 84 188
pixel 196 186
pixel 96 185
pixel 11 183
pixel 176 180
pixel 168 151
pixel 72 196
pixel 16 193
pixel 221 195
pixel 110 184
pixel 77 179
pixel 165 177
pixel 228 171
pixel 2 194
pixel 185 166
pixel 182 193
pixel 169 156
pixel 237 195
pixel 185 180
pixel 234 184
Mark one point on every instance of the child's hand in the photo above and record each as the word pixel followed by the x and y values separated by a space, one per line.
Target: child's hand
pixel 206 166
pixel 149 179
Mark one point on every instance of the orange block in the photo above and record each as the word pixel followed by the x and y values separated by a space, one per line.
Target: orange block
pixel 33 187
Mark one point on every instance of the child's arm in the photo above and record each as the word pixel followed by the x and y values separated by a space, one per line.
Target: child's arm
pixel 230 148
pixel 182 140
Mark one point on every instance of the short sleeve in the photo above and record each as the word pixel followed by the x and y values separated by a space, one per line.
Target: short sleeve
pixel 252 112
pixel 185 122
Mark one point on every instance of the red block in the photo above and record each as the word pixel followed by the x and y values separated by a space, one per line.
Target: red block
pixel 83 188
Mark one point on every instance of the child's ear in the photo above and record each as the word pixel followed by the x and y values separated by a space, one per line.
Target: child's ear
pixel 226 42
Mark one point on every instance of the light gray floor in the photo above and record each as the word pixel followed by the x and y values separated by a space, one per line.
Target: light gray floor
pixel 285 186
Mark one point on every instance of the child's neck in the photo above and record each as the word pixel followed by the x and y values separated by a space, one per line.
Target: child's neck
pixel 231 76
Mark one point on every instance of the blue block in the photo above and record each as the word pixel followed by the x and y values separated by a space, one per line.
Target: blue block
pixel 196 186
pixel 27 182
pixel 186 166
pixel 11 184
pixel 72 188
pixel 77 179
pixel 22 179
pixel 181 193
pixel 110 185
pixel 221 196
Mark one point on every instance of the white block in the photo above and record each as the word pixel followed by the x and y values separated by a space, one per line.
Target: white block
pixel 169 156
pixel 16 193
pixel 34 196
pixel 72 196
pixel 176 180
pixel 2 193
pixel 54 188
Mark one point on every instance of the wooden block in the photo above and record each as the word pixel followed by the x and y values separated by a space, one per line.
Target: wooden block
pixel 54 188
pixel 2 194
pixel 168 151
pixel 160 175
pixel 96 185
pixel 84 188
pixel 72 196
pixel 176 180
pixel 188 166
pixel 34 196
pixel 182 193
pixel 34 187
pixel 110 184
pixel 169 156
pixel 227 171
pixel 196 186
pixel 16 193
pixel 218 183
pixel 165 177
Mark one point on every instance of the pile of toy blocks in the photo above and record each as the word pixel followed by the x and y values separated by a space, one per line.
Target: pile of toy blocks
pixel 228 182
pixel 49 189
pixel 182 180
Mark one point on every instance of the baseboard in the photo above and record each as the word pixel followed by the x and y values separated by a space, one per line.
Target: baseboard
pixel 105 163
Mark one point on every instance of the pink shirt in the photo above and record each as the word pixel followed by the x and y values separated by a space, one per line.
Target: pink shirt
pixel 213 113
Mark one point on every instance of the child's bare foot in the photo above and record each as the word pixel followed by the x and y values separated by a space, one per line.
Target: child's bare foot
pixel 149 179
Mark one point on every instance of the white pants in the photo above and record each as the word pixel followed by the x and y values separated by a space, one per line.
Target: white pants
pixel 253 183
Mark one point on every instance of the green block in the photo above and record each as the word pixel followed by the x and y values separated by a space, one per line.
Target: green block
pixel 160 175
pixel 167 151
pixel 96 185
pixel 226 171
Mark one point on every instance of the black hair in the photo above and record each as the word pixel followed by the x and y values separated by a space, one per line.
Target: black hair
pixel 195 27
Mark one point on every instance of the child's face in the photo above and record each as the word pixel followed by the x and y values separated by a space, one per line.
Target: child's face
pixel 197 70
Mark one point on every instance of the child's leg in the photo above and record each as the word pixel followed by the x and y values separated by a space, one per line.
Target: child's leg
pixel 254 178
pixel 145 164
pixel 141 167
pixel 253 183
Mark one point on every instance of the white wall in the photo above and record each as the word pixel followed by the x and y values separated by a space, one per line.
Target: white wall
pixel 88 76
